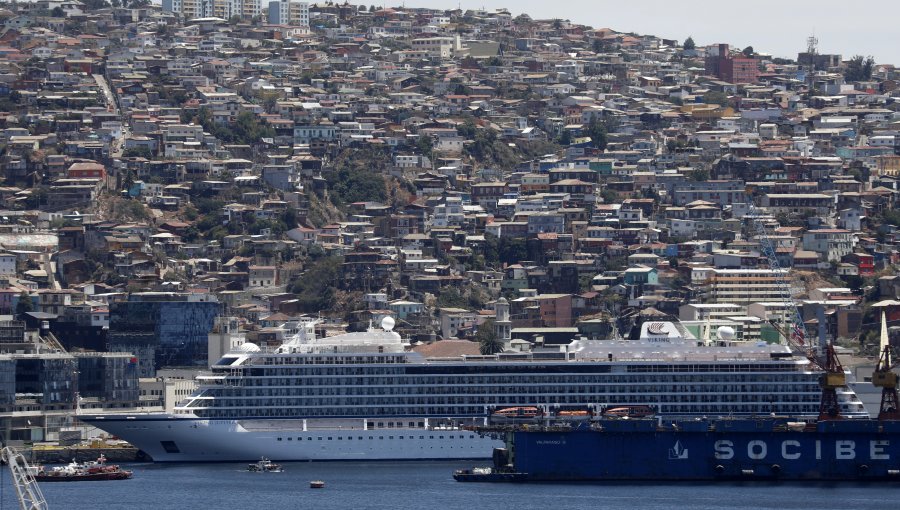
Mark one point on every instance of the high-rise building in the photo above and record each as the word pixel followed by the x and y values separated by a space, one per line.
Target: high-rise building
pixel 285 12
pixel 191 9
pixel 244 9
pixel 279 12
pixel 172 6
pixel 163 329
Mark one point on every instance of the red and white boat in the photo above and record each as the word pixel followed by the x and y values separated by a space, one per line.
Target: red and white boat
pixel 85 471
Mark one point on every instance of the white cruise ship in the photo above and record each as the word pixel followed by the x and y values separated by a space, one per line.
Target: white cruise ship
pixel 367 396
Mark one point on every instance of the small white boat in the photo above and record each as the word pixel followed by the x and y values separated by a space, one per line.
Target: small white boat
pixel 264 465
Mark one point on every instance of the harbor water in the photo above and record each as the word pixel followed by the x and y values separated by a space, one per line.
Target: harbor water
pixel 418 485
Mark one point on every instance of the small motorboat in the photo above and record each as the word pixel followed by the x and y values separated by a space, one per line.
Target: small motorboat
pixel 317 484
pixel 264 465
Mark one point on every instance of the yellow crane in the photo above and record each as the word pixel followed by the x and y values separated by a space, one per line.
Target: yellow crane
pixel 885 378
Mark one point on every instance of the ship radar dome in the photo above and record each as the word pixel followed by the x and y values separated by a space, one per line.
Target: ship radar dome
pixel 725 333
pixel 248 347
pixel 388 323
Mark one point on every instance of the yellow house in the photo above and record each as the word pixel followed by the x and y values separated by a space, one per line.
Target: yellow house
pixel 887 165
pixel 703 111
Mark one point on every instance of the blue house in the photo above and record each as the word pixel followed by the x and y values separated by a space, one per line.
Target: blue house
pixel 641 275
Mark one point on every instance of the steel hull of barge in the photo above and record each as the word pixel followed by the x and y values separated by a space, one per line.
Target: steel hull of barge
pixel 696 450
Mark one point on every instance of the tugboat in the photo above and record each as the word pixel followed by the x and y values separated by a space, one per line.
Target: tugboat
pixel 264 465
pixel 86 471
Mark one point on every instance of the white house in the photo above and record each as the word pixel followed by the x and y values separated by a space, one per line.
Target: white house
pixel 833 243
pixel 7 264
pixel 403 308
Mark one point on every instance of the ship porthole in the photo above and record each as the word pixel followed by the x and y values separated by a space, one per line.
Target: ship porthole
pixel 776 468
pixel 720 469
pixel 863 468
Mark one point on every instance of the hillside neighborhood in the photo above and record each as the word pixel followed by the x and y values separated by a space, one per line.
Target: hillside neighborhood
pixel 178 180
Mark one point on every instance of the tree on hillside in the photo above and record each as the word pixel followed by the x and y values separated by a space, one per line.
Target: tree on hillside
pixel 598 133
pixel 357 176
pixel 24 305
pixel 248 128
pixel 467 129
pixel 451 298
pixel 689 43
pixel 859 68
pixel 512 250
pixel 699 175
pixel 748 51
pixel 715 97
pixel 425 145
pixel 315 289
pixel 93 5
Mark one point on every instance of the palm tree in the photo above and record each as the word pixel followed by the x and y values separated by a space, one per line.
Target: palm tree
pixel 488 341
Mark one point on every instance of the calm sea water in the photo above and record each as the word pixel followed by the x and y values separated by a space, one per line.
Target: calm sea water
pixel 402 486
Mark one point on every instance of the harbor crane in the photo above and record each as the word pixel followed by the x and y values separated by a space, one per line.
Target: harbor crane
pixel 27 490
pixel 885 378
pixel 823 357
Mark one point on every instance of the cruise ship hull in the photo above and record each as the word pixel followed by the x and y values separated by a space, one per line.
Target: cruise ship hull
pixel 174 438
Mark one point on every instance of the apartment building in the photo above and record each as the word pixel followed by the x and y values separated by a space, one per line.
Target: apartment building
pixel 285 12
pixel 435 47
pixel 190 9
pixel 743 286
pixel 788 203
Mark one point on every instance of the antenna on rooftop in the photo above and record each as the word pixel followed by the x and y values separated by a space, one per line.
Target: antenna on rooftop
pixel 812 44
pixel 812 49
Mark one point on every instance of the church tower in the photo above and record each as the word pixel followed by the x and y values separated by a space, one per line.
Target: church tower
pixel 502 324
